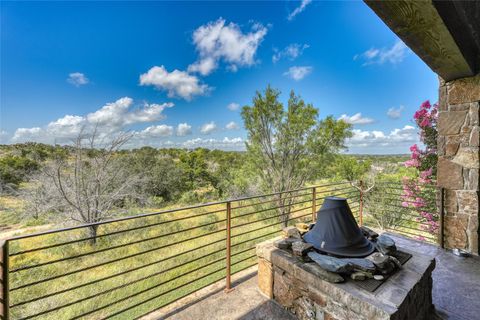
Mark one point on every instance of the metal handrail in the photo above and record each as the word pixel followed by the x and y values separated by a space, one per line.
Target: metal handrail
pixel 124 272
pixel 114 233
pixel 123 245
pixel 114 260
pixel 268 201
pixel 304 201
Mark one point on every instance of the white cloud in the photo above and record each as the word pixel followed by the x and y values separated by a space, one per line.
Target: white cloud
pixel 223 144
pixel 184 129
pixel 396 138
pixel 298 73
pixel 28 134
pixel 232 144
pixel 208 128
pixel 204 66
pixel 109 119
pixel 233 106
pixel 232 126
pixel 65 128
pixel 118 114
pixel 149 113
pixel 217 42
pixel 291 52
pixel 356 119
pixel 299 9
pixel 393 55
pixel 395 113
pixel 177 83
pixel 77 79
pixel 407 133
pixel 156 131
pixel 112 113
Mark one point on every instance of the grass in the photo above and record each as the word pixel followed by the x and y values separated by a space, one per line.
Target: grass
pixel 10 211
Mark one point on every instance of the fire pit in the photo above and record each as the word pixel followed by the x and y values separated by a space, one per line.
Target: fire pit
pixel 331 271
pixel 336 231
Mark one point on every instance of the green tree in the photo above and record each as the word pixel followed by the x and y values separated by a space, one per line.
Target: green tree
pixel 350 169
pixel 196 168
pixel 162 175
pixel 168 179
pixel 224 168
pixel 286 147
pixel 13 170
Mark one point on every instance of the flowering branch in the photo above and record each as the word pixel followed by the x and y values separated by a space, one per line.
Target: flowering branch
pixel 416 193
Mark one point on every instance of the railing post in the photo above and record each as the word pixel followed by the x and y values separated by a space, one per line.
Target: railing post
pixel 5 282
pixel 442 215
pixel 360 209
pixel 228 284
pixel 314 204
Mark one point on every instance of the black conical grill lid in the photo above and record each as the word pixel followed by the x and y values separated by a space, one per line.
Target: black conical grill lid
pixel 336 231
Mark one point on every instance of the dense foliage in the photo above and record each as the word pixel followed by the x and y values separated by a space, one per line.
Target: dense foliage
pixel 177 177
pixel 14 169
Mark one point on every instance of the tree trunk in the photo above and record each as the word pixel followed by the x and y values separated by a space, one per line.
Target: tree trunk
pixel 283 211
pixel 92 230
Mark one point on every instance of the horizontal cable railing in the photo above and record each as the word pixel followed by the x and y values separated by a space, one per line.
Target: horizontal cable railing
pixel 128 267
pixel 391 206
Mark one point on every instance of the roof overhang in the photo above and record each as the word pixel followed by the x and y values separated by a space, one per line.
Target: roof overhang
pixel 444 34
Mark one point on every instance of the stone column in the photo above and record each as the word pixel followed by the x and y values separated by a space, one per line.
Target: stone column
pixel 458 162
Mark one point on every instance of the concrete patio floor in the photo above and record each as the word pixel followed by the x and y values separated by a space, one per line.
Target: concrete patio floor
pixel 244 302
pixel 456 282
pixel 456 293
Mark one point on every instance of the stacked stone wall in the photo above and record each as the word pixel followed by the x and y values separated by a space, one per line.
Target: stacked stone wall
pixel 458 163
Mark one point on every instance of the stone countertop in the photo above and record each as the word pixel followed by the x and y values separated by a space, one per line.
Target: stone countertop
pixel 386 299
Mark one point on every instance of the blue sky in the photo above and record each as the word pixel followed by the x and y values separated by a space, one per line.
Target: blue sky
pixel 171 72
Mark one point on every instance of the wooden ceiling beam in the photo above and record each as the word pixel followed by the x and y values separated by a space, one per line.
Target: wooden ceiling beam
pixel 421 26
pixel 462 19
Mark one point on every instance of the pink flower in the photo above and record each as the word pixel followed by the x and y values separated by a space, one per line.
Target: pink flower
pixel 425 175
pixel 412 163
pixel 427 215
pixel 425 122
pixel 419 202
pixel 425 104
pixel 408 193
pixel 420 114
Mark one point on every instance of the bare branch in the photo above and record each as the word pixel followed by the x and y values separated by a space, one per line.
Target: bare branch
pixel 88 186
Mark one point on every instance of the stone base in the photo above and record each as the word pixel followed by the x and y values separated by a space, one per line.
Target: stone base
pixel 293 284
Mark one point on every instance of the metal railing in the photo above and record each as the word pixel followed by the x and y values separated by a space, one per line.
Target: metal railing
pixel 135 265
pixel 387 207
